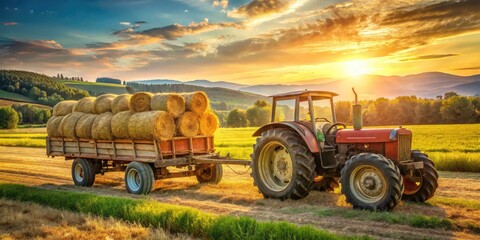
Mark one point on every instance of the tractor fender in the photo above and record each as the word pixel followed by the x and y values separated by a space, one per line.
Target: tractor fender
pixel 307 135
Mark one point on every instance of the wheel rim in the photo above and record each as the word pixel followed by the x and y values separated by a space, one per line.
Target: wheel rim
pixel 78 173
pixel 411 187
pixel 133 179
pixel 206 173
pixel 275 166
pixel 368 184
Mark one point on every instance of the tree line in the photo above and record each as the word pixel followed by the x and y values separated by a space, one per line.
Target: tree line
pixel 41 88
pixel 447 109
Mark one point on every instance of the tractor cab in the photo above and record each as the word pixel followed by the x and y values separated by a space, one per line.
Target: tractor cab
pixel 313 109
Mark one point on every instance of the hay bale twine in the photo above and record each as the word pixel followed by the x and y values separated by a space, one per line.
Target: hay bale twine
pixel 103 103
pixel 158 125
pixel 63 108
pixel 170 102
pixel 120 124
pixel 101 127
pixel 188 124
pixel 68 124
pixel 208 123
pixel 54 126
pixel 83 129
pixel 121 103
pixel 140 102
pixel 84 105
pixel 196 102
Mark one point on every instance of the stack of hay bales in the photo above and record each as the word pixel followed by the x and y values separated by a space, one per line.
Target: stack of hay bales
pixel 143 116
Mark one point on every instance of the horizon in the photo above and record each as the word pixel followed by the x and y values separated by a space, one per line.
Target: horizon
pixel 245 42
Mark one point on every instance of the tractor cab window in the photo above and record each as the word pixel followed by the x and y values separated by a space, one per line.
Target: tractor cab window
pixel 323 111
pixel 285 110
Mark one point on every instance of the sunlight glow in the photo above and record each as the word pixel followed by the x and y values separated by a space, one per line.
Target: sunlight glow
pixel 356 68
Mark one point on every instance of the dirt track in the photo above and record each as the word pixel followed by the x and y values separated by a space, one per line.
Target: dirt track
pixel 236 195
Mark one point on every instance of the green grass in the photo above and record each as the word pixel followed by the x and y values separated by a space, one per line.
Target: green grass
pixel 174 219
pixel 455 202
pixel 414 220
pixel 15 97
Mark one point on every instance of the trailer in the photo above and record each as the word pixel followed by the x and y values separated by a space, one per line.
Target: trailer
pixel 143 161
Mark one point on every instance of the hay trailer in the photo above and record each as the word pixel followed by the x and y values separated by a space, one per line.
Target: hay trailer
pixel 143 161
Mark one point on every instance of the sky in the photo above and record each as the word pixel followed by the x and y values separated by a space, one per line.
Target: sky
pixel 241 41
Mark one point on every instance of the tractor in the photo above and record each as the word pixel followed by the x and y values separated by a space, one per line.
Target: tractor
pixel 304 148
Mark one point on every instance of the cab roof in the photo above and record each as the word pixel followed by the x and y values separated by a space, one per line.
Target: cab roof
pixel 316 95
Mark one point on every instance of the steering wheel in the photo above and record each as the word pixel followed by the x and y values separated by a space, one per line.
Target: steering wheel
pixel 327 133
pixel 320 118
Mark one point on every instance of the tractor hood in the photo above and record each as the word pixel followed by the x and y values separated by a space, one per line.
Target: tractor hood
pixel 370 135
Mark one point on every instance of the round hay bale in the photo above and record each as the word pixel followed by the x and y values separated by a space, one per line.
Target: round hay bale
pixel 140 102
pixel 121 103
pixel 188 124
pixel 63 108
pixel 208 123
pixel 120 124
pixel 101 127
pixel 83 129
pixel 196 102
pixel 54 126
pixel 170 102
pixel 103 103
pixel 84 105
pixel 158 125
pixel 68 124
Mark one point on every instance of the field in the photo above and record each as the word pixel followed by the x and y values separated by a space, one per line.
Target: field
pixel 15 97
pixel 97 88
pixel 454 211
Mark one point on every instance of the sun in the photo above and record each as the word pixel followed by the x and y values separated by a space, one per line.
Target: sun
pixel 356 68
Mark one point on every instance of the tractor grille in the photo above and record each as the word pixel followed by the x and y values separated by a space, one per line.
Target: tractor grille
pixel 404 146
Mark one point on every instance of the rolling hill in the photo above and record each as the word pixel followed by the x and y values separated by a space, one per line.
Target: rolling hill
pixel 201 83
pixel 97 88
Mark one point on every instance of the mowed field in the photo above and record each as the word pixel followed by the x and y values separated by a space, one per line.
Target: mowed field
pixel 454 212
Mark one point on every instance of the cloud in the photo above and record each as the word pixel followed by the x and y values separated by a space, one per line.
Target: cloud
pixel 468 68
pixel 260 8
pixel 424 57
pixel 221 3
pixel 9 23
pixel 125 23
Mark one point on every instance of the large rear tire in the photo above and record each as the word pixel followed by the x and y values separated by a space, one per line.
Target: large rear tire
pixel 370 181
pixel 423 187
pixel 83 172
pixel 282 166
pixel 139 178
pixel 209 174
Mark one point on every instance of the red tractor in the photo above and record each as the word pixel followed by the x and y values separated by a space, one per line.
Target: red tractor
pixel 305 148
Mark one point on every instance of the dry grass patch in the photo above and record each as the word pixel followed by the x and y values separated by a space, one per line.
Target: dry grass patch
pixel 32 221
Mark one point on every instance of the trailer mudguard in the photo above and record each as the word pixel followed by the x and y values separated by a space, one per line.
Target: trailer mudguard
pixel 303 131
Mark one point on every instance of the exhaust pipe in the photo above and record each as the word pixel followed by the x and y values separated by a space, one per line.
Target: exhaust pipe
pixel 357 113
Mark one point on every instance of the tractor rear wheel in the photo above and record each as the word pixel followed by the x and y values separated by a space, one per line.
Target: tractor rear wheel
pixel 370 181
pixel 282 166
pixel 424 182
pixel 325 184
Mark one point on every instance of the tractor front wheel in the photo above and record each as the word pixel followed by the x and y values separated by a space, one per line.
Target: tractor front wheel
pixel 370 181
pixel 282 166
pixel 422 185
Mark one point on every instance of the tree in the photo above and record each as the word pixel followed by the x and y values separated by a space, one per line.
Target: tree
pixel 458 110
pixel 343 110
pixel 61 76
pixel 450 95
pixel 8 118
pixel 237 118
pixel 258 115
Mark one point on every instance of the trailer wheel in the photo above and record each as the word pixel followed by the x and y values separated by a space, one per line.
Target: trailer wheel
pixel 83 172
pixel 371 181
pixel 209 174
pixel 139 178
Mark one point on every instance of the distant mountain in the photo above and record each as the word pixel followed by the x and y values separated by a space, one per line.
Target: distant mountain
pixel 201 83
pixel 427 85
